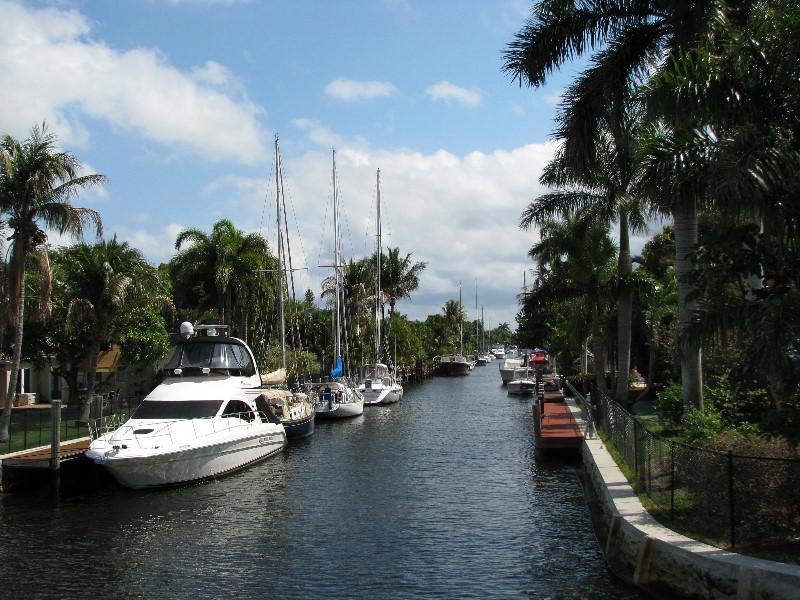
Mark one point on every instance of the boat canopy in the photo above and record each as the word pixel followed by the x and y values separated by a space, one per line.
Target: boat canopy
pixel 373 371
pixel 277 377
pixel 213 353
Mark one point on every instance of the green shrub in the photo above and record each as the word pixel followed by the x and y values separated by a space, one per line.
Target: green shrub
pixel 669 405
pixel 701 426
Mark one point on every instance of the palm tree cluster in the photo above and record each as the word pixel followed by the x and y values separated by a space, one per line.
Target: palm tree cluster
pixel 689 111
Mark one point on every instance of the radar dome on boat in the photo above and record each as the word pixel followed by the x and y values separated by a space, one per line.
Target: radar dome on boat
pixel 186 329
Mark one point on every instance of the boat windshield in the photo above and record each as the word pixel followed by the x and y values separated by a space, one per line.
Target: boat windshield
pixel 176 409
pixel 231 358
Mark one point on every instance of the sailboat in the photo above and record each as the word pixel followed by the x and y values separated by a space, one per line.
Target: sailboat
pixel 377 381
pixel 455 364
pixel 295 411
pixel 336 398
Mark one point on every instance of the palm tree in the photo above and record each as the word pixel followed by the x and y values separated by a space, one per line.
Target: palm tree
pixel 37 184
pixel 605 187
pixel 454 316
pixel 104 280
pixel 579 254
pixel 399 278
pixel 220 265
pixel 630 40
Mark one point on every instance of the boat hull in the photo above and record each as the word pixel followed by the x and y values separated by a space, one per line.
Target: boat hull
pixel 148 468
pixel 340 410
pixel 299 428
pixel 521 387
pixel 376 397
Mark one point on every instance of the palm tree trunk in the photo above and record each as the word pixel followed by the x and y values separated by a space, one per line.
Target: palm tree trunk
pixel 625 314
pixel 91 380
pixel 5 418
pixel 686 238
pixel 599 353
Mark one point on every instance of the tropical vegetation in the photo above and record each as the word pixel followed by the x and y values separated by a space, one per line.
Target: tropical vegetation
pixel 687 112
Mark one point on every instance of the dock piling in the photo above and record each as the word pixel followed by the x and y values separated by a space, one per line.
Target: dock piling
pixel 55 444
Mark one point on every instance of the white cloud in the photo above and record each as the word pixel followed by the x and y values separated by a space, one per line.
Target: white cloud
pixel 458 213
pixel 444 90
pixel 51 68
pixel 348 90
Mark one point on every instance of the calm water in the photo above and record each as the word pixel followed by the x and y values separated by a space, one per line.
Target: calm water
pixel 435 497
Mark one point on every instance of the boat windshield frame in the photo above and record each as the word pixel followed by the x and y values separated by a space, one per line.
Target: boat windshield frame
pixel 165 410
pixel 219 355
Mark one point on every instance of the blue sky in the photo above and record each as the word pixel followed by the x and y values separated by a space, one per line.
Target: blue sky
pixel 178 102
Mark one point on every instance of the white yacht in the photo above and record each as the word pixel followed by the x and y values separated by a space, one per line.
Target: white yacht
pixel 207 418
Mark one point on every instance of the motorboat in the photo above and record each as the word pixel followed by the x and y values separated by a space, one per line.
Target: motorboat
pixel 499 350
pixel 378 384
pixel 507 367
pixel 453 365
pixel 522 383
pixel 208 417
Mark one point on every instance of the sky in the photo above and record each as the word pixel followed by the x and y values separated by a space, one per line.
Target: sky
pixel 179 103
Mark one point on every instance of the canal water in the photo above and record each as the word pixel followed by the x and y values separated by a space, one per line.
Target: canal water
pixel 438 496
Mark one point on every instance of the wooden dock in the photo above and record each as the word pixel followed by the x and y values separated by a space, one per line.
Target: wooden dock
pixel 554 424
pixel 32 467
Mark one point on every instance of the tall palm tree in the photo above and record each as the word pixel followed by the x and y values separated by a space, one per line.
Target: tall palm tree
pixel 399 278
pixel 579 254
pixel 629 40
pixel 454 316
pixel 222 263
pixel 37 184
pixel 104 280
pixel 605 186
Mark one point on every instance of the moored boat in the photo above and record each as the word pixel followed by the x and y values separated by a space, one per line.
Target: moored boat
pixel 522 383
pixel 202 421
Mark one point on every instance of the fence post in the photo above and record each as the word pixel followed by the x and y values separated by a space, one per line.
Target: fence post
pixel 635 447
pixel 55 444
pixel 671 481
pixel 731 504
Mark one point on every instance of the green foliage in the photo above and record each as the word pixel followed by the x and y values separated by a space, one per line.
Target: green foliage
pixel 669 404
pixel 142 336
pixel 701 425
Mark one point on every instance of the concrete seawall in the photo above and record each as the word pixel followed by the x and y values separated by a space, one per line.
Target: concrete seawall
pixel 669 565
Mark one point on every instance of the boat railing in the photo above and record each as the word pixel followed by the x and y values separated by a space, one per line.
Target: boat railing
pixel 144 433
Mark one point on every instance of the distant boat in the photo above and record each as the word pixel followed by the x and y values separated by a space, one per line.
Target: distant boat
pixel 453 365
pixel 337 398
pixel 376 381
pixel 207 418
pixel 498 350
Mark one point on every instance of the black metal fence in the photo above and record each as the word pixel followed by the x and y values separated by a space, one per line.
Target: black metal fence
pixel 721 497
pixel 30 427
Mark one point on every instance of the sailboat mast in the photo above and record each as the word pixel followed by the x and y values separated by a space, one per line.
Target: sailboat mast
pixel 477 325
pixel 460 320
pixel 378 271
pixel 280 254
pixel 336 258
